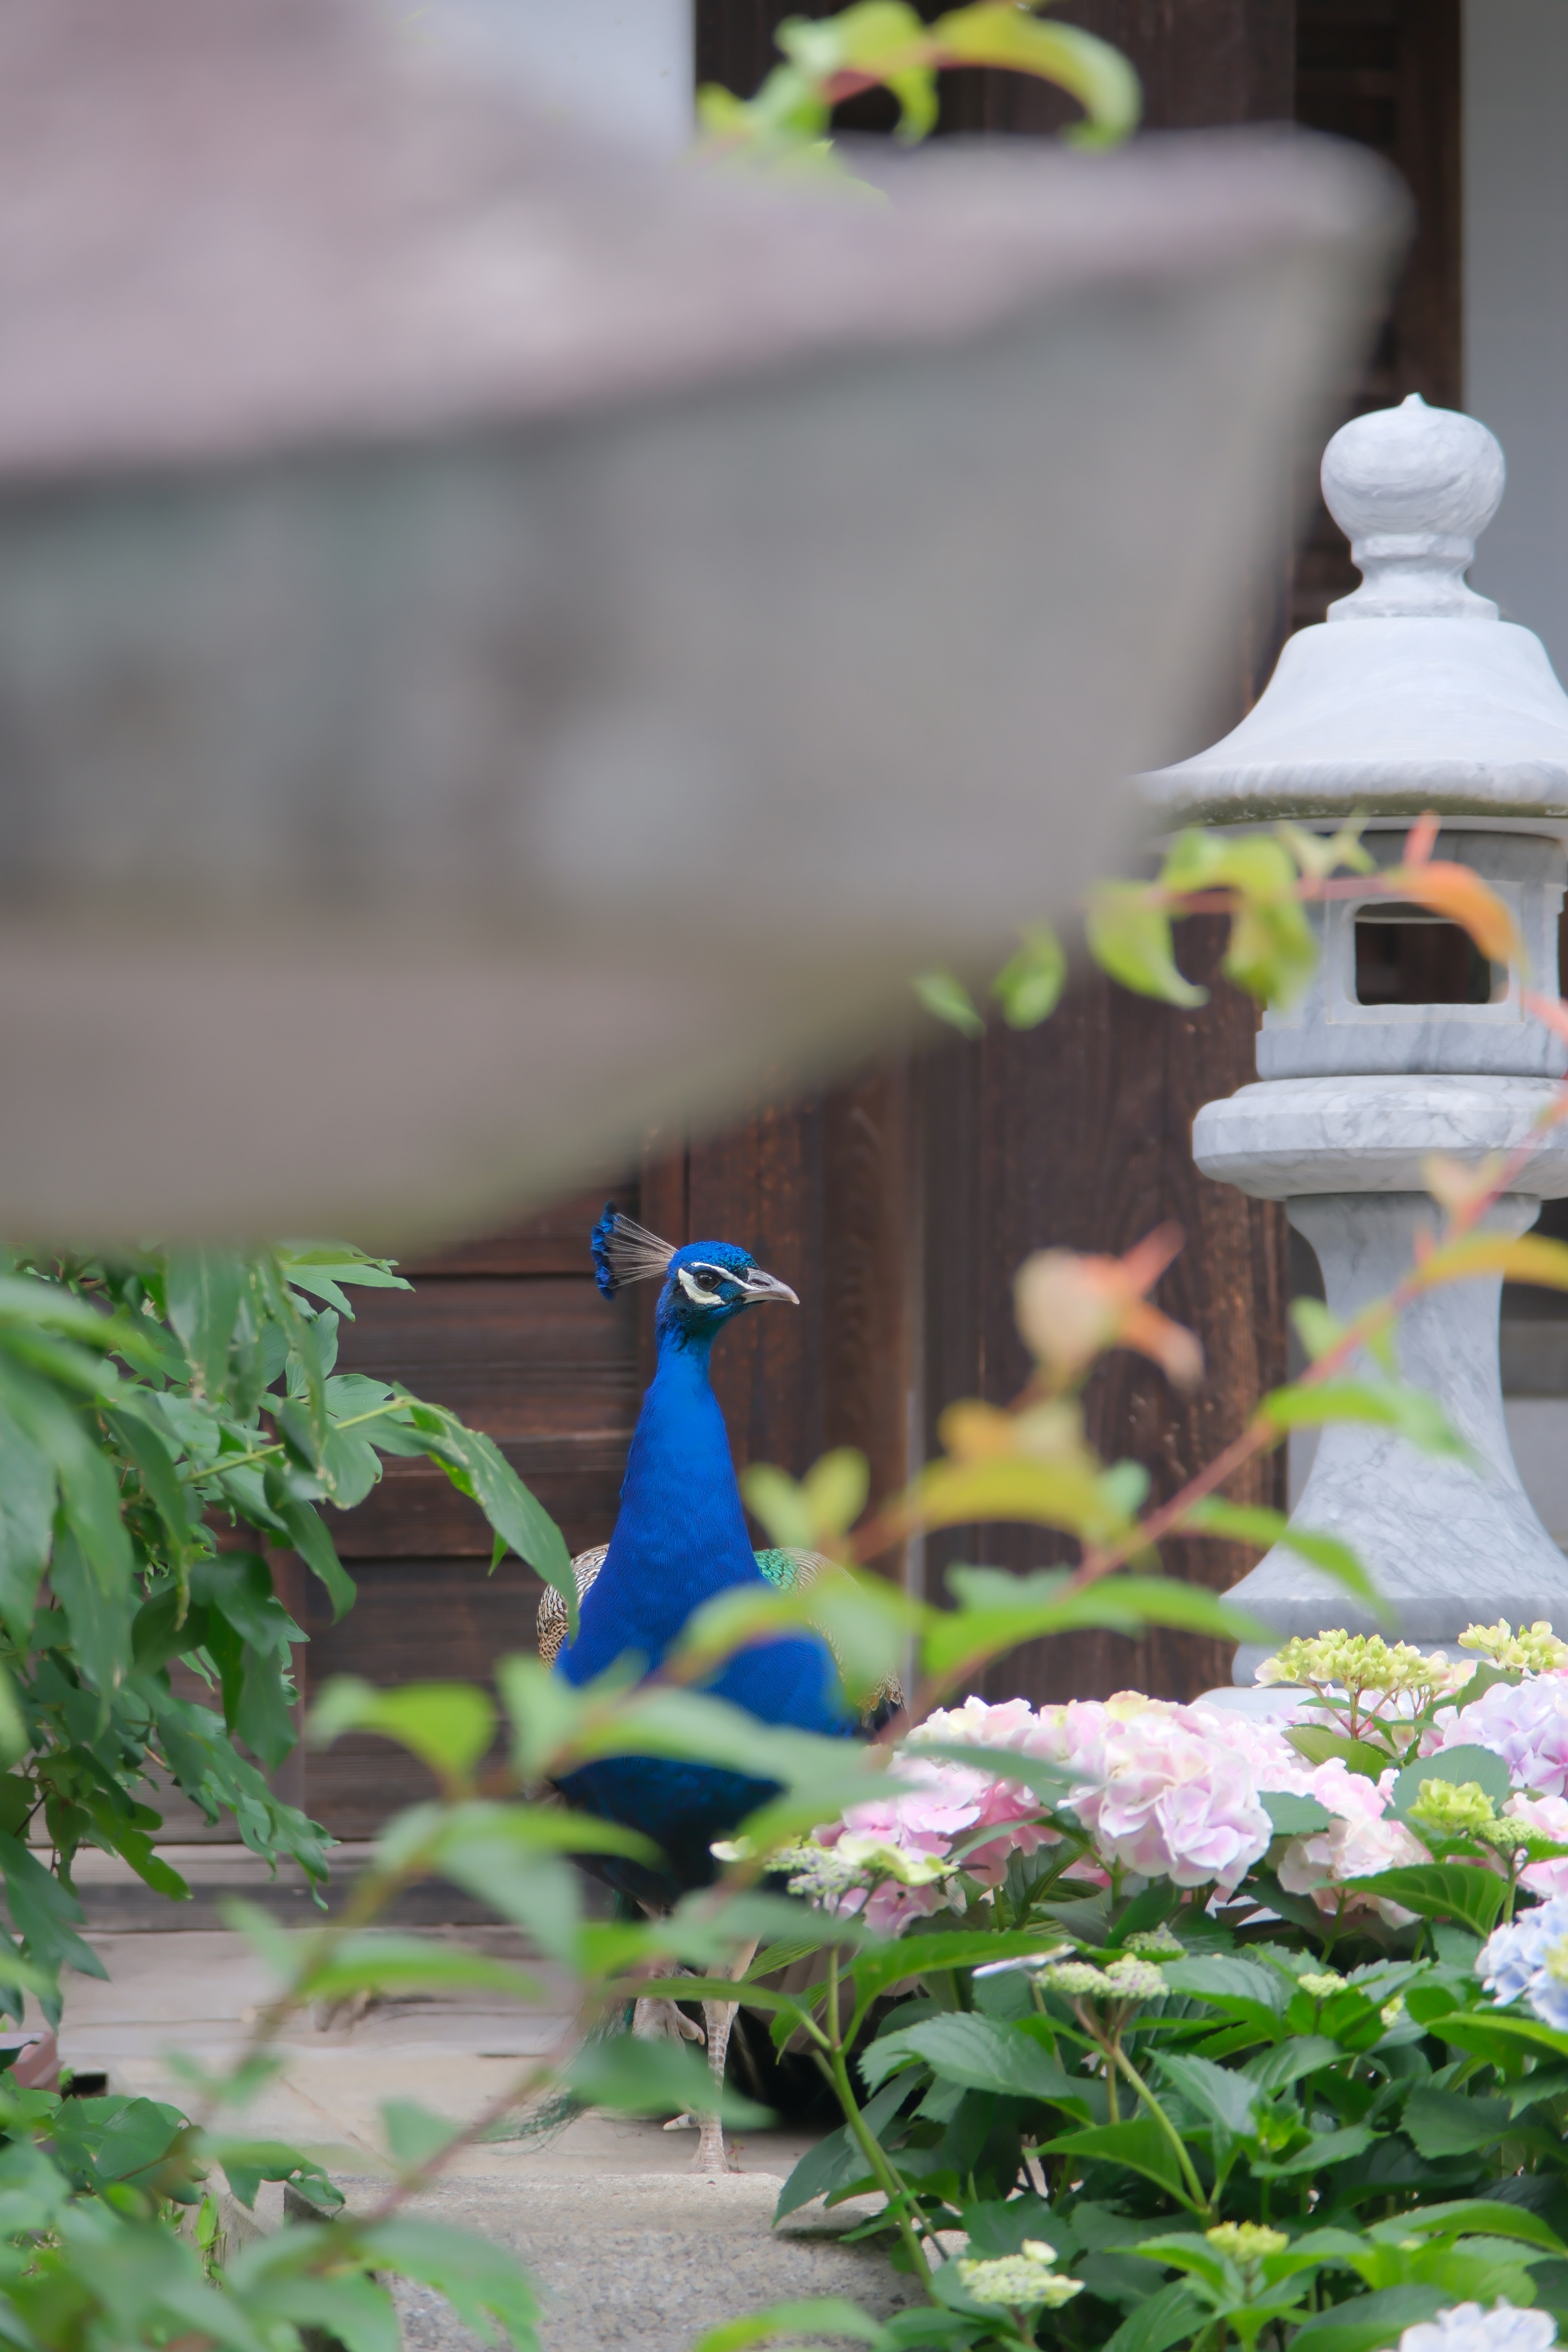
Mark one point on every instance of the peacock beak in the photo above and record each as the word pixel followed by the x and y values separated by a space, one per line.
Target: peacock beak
pixel 759 1285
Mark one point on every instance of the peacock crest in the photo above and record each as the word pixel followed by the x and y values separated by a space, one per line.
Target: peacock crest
pixel 625 1252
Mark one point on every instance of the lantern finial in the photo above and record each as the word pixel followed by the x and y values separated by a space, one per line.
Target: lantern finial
pixel 1413 487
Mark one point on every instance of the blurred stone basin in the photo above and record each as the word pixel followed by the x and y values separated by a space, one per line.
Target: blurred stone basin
pixel 500 644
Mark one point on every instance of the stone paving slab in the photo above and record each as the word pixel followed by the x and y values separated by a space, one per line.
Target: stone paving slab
pixel 647 2260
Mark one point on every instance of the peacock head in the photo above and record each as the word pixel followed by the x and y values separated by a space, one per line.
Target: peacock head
pixel 706 1285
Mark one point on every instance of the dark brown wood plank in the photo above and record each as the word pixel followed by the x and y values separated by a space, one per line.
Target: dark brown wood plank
pixel 1083 1131
pixel 555 1241
pixel 544 1357
pixel 1387 73
pixel 414 1621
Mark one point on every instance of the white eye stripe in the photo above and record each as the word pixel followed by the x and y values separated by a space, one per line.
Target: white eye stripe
pixel 694 1290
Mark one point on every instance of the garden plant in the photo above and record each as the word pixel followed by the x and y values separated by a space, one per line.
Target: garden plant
pixel 1191 2026
pixel 1150 2026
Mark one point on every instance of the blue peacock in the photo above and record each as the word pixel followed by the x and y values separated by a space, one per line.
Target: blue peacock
pixel 681 1538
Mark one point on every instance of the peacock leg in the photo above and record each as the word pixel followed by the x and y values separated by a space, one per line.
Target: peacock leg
pixel 719 2015
pixel 659 2017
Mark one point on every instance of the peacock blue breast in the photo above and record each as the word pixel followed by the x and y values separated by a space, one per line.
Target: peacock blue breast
pixel 679 1540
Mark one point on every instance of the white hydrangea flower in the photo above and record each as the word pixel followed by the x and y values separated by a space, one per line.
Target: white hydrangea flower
pixel 1467 2327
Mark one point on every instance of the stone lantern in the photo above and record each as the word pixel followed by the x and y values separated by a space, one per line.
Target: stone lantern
pixel 1412 695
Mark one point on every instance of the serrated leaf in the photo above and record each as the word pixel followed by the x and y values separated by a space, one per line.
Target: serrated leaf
pixel 1222 2095
pixel 1456 1765
pixel 976 2052
pixel 1440 1890
pixel 1140 2144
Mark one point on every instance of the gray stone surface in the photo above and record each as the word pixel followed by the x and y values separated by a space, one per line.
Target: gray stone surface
pixel 648 2260
pixel 1371 1134
pixel 1449 1541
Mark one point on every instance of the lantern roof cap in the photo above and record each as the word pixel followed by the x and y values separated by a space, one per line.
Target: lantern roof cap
pixel 1429 701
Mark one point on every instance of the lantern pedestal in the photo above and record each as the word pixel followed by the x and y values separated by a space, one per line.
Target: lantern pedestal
pixel 1407 1043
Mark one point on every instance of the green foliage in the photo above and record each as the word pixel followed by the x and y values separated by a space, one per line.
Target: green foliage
pixel 165 1421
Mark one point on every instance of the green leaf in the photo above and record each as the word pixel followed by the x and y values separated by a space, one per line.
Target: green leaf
pixel 1277 2069
pixel 1466 2214
pixel 26 1525
pixel 46 1914
pixel 479 2279
pixel 1456 1765
pixel 307 1534
pixel 1129 936
pixel 413 2133
pixel 383 1961
pixel 1318 1744
pixel 544 1710
pixel 1491 2033
pixel 150 1453
pixel 878 1970
pixel 1140 2144
pixel 1323 2152
pixel 1440 1890
pixel 1244 1988
pixel 947 998
pixel 478 1469
pixel 651 2078
pixel 1294 1816
pixel 1369 2322
pixel 836 2163
pixel 449 1725
pixel 1222 2095
pixel 1253 1523
pixel 1028 987
pixel 100 1621
pixel 1446 2123
pixel 203 1287
pixel 819 2315
pixel 1164 2318
pixel 1388 1404
pixel 976 2052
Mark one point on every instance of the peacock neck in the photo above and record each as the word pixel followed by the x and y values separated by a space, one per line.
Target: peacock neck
pixel 681 1535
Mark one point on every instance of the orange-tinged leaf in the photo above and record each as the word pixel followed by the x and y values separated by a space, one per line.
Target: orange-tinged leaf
pixel 1550 1010
pixel 1464 898
pixel 1456 1184
pixel 1071 1309
pixel 1170 1345
pixel 1421 839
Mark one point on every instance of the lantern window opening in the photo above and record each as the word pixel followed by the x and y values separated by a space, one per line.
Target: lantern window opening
pixel 1405 955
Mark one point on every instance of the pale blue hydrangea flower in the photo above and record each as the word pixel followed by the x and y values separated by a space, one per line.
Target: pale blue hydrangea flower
pixel 1517 1961
pixel 1468 2328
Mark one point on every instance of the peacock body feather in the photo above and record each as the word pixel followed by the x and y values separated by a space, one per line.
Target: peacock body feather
pixel 680 1539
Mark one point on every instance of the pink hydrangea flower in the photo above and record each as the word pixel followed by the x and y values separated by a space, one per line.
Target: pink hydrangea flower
pixel 1172 1800
pixel 1526 1725
pixel 1549 1814
pixel 1364 1839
